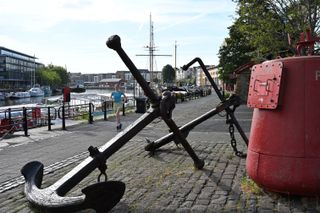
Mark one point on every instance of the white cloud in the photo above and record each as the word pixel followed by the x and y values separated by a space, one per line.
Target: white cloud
pixel 38 15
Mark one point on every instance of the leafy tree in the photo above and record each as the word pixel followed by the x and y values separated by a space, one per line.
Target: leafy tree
pixel 62 73
pixel 297 15
pixel 262 29
pixel 55 76
pixel 235 51
pixel 168 74
pixel 268 23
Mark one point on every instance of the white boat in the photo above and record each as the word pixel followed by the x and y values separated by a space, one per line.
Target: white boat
pixel 35 91
pixel 8 94
pixel 20 95
pixel 2 96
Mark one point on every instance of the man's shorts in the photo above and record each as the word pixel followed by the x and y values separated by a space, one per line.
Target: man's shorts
pixel 117 105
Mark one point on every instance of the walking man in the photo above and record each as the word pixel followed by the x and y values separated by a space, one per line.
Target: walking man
pixel 117 103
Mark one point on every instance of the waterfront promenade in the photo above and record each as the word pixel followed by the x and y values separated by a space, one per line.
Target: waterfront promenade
pixel 165 182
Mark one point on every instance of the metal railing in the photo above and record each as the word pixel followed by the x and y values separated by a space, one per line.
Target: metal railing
pixel 24 118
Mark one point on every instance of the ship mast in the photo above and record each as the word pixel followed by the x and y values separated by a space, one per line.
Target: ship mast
pixel 151 49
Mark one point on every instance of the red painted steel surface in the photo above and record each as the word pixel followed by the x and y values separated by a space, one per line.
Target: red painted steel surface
pixel 284 144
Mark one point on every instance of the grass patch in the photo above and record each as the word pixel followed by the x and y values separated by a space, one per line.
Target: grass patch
pixel 248 186
pixel 230 156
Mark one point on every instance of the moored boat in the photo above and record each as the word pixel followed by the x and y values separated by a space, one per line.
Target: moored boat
pixel 78 89
pixel 2 96
pixel 35 91
pixel 20 95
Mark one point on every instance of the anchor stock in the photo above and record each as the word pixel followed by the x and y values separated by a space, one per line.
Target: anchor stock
pixel 218 92
pixel 152 146
pixel 223 106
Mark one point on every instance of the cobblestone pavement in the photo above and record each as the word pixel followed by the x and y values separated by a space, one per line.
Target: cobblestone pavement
pixel 167 181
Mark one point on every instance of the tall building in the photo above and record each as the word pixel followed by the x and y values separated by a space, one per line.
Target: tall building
pixel 17 70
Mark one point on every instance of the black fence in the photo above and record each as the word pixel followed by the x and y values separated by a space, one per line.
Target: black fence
pixel 24 118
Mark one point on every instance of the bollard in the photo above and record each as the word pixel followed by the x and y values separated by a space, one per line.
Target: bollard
pixel 90 119
pixel 9 115
pixel 63 118
pixel 25 122
pixel 105 111
pixel 49 119
pixel 123 109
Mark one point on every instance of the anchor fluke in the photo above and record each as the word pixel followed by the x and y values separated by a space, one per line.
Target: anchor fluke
pixel 100 196
pixel 47 197
pixel 103 196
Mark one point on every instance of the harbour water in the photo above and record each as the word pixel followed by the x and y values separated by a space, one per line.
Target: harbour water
pixel 89 95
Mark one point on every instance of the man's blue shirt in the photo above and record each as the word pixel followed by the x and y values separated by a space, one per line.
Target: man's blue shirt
pixel 117 96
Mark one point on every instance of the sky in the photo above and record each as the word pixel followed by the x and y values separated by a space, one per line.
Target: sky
pixel 73 33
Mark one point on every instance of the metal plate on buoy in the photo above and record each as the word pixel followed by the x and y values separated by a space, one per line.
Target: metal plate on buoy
pixel 264 86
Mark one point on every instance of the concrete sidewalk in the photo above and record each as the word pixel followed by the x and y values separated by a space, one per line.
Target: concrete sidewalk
pixel 165 182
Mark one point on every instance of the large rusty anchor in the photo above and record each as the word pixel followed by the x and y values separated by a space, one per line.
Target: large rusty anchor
pixel 225 105
pixel 102 196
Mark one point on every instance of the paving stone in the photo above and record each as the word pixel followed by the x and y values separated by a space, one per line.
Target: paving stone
pixel 231 204
pixel 213 208
pixel 265 210
pixel 192 196
pixel 220 200
pixel 187 204
pixel 221 192
pixel 266 203
pixel 199 208
pixel 203 202
pixel 183 210
pixel 205 195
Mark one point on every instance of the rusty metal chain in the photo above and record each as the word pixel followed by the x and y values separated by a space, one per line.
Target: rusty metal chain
pixel 233 139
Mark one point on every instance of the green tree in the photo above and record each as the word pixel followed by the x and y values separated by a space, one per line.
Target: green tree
pixel 168 74
pixel 55 76
pixel 235 51
pixel 262 28
pixel 268 23
pixel 62 73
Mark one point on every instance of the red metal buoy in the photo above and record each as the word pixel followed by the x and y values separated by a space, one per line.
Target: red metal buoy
pixel 284 144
